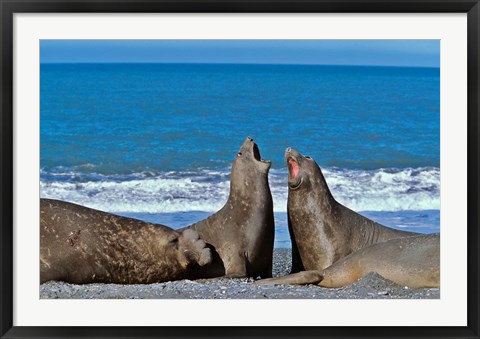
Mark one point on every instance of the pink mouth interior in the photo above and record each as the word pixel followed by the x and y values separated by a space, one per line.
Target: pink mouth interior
pixel 293 168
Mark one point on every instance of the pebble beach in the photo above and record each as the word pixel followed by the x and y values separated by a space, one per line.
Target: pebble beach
pixel 372 286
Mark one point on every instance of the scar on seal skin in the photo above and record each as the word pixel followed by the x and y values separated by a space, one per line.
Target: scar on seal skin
pixel 82 245
pixel 324 231
pixel 241 233
pixel 73 237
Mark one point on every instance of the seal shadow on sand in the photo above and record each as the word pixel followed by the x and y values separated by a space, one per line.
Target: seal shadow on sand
pixel 333 246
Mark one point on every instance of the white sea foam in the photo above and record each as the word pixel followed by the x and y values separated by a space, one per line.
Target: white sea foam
pixel 204 190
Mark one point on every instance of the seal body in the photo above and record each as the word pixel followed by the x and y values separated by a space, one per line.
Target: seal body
pixel 411 261
pixel 322 230
pixel 334 246
pixel 241 233
pixel 82 245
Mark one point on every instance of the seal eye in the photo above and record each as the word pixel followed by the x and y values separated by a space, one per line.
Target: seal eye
pixel 239 154
pixel 307 157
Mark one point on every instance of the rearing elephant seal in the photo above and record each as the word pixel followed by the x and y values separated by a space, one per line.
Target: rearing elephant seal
pixel 324 231
pixel 81 245
pixel 321 229
pixel 242 232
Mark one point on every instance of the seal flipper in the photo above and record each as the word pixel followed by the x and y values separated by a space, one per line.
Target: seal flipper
pixel 300 278
pixel 195 248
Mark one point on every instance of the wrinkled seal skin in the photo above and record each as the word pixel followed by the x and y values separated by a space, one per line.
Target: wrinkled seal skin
pixel 334 246
pixel 242 232
pixel 81 245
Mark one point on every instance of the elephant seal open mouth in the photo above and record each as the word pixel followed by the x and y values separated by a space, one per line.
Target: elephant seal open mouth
pixel 241 233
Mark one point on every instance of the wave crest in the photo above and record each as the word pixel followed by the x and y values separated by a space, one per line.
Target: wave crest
pixel 205 190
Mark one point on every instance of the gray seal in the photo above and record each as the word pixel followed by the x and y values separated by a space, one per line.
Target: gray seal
pixel 241 233
pixel 82 245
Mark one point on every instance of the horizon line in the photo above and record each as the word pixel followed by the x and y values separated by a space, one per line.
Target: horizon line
pixel 224 63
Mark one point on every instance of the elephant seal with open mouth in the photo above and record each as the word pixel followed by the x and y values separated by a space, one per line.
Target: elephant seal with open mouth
pixel 241 233
pixel 324 231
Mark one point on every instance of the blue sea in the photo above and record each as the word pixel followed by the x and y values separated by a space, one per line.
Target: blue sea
pixel 156 141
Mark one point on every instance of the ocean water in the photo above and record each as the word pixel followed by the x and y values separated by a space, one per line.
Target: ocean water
pixel 156 141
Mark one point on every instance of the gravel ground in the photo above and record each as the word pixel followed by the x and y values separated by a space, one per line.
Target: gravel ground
pixel 372 286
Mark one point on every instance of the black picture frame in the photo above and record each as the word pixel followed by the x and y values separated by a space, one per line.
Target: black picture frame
pixel 10 7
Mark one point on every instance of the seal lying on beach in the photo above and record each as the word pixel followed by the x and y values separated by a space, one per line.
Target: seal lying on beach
pixel 324 231
pixel 241 233
pixel 82 245
pixel 412 261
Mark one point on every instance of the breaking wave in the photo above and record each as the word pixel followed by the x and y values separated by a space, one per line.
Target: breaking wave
pixel 207 190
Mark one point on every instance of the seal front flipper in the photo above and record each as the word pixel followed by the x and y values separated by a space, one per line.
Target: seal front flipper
pixel 300 278
pixel 195 248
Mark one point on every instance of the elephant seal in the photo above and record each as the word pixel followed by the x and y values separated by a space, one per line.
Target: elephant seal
pixel 82 245
pixel 241 233
pixel 322 230
pixel 412 261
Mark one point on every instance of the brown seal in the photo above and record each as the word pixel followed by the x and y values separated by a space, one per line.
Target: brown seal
pixel 241 233
pixel 412 261
pixel 322 230
pixel 82 245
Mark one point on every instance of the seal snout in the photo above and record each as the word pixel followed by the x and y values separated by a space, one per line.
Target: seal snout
pixel 251 148
pixel 290 152
pixel 248 141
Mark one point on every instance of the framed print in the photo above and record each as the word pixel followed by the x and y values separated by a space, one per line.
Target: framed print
pixel 239 169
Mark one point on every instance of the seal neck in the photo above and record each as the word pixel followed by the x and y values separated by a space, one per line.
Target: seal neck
pixel 321 188
pixel 244 187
